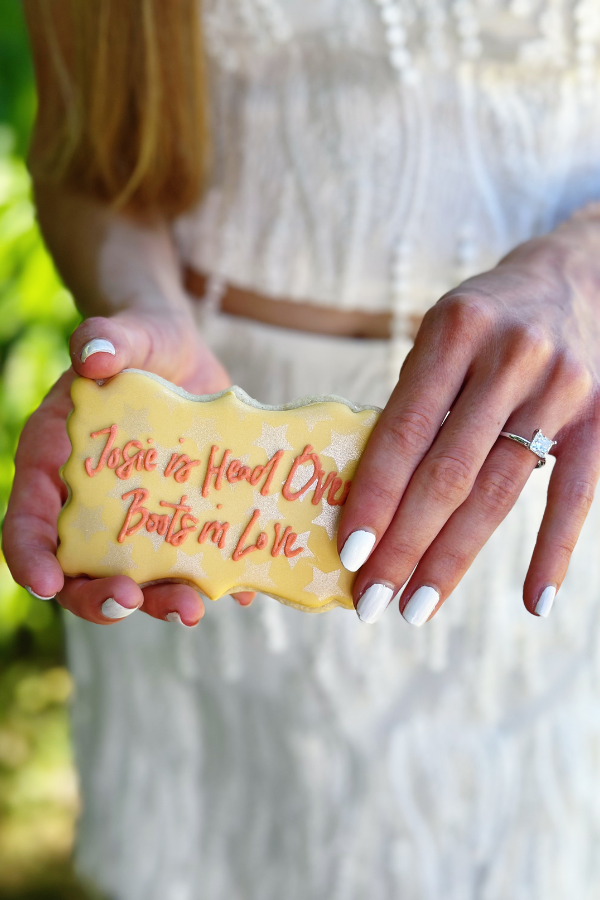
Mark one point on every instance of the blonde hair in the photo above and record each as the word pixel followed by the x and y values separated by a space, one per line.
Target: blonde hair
pixel 122 105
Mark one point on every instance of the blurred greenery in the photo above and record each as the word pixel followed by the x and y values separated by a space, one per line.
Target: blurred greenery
pixel 38 793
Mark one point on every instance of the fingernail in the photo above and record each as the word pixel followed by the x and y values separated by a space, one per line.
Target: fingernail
pixel 544 604
pixel 38 596
pixel 421 605
pixel 373 603
pixel 113 610
pixel 97 345
pixel 175 617
pixel 356 549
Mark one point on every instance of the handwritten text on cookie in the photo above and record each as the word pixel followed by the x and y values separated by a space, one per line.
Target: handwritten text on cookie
pixel 177 524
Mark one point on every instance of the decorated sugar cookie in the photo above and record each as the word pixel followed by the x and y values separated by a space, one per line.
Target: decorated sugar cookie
pixel 217 491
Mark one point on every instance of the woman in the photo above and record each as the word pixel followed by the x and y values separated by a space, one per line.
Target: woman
pixel 368 158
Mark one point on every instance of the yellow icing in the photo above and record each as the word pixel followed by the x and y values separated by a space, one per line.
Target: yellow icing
pixel 144 406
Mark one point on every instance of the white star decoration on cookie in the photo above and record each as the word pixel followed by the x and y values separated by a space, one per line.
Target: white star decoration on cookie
pixel 328 519
pixel 312 415
pixel 301 541
pixel 259 572
pixel 204 433
pixel 135 421
pixel 302 474
pixel 163 455
pixel 188 565
pixel 273 439
pixel 92 450
pixel 118 556
pixel 324 584
pixel 267 506
pixel 157 540
pixel 242 412
pixel 122 487
pixel 343 448
pixel 200 503
pixel 369 420
pixel 170 399
pixel 89 522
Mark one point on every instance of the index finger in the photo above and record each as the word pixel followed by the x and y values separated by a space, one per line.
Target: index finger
pixel 29 531
pixel 430 380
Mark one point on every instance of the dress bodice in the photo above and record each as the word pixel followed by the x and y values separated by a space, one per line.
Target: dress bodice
pixel 373 153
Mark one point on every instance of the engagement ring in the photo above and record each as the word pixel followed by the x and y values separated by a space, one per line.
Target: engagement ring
pixel 539 444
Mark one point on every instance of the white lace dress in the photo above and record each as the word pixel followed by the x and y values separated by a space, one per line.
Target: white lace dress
pixel 367 155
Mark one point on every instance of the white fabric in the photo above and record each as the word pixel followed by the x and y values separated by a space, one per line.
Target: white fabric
pixel 343 180
pixel 366 155
pixel 271 754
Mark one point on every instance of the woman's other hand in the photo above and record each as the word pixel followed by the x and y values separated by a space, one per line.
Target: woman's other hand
pixel 164 342
pixel 514 349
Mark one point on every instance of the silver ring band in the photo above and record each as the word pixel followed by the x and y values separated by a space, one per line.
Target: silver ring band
pixel 539 444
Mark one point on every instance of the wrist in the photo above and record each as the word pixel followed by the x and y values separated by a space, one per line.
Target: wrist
pixel 564 261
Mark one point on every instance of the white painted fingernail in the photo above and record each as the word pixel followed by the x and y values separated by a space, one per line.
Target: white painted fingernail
pixel 421 605
pixel 544 604
pixel 97 345
pixel 356 550
pixel 175 617
pixel 113 610
pixel 38 596
pixel 373 603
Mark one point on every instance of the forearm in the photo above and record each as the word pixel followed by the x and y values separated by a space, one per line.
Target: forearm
pixel 108 261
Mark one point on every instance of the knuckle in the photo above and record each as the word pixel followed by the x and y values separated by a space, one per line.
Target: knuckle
pixel 450 478
pixel 531 340
pixel 467 314
pixel 401 549
pixel 412 429
pixel 454 561
pixel 498 491
pixel 381 495
pixel 577 495
pixel 562 549
pixel 573 376
pixel 528 343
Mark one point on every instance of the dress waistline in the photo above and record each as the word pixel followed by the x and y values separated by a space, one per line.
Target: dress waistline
pixel 297 315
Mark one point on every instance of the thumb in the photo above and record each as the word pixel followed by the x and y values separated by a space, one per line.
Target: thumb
pixel 163 342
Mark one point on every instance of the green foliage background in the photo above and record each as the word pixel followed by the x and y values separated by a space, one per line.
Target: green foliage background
pixel 38 794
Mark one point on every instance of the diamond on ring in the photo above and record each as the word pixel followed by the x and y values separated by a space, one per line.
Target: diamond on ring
pixel 539 444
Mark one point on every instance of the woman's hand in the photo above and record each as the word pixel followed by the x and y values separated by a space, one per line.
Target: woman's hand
pixel 162 342
pixel 514 349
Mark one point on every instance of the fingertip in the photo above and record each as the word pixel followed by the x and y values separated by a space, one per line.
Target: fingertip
pixel 244 598
pixel 174 599
pixel 112 609
pixel 123 589
pixel 357 548
pixel 38 596
pixel 47 579
pixel 190 607
pixel 421 605
pixel 541 605
pixel 175 618
pixel 97 345
pixel 99 348
pixel 101 600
